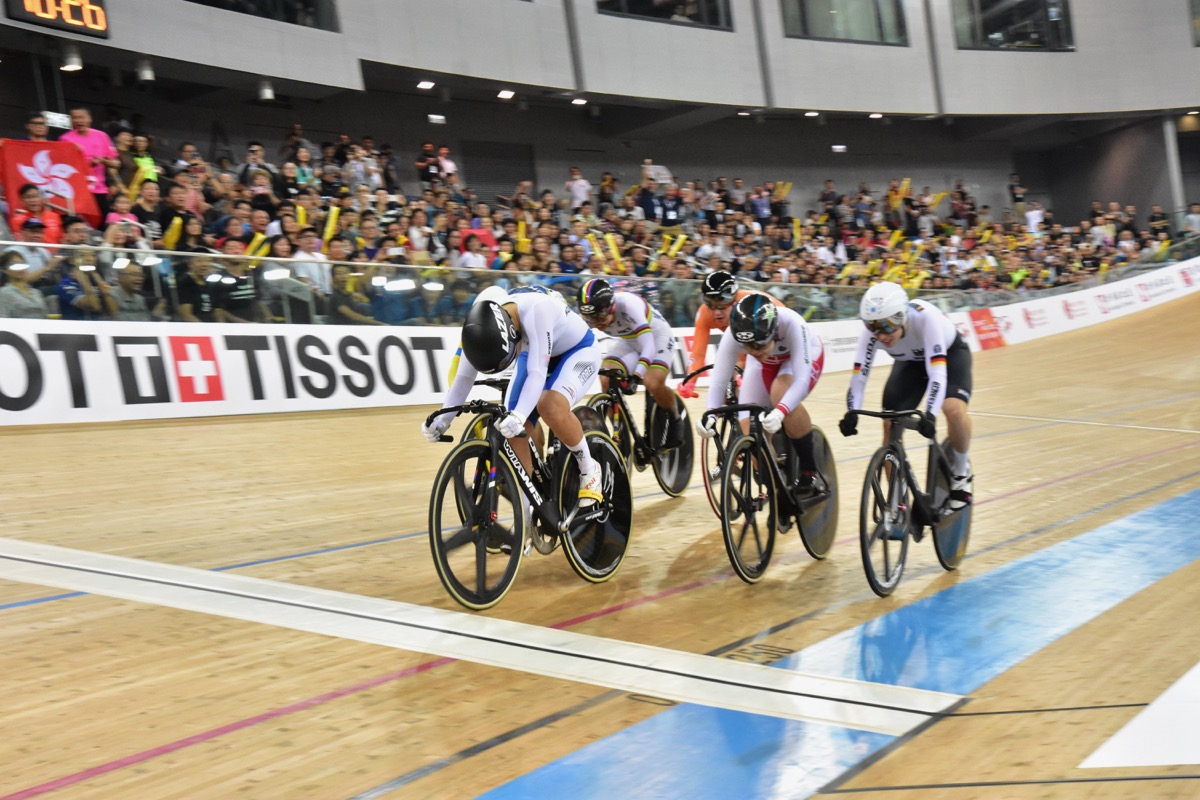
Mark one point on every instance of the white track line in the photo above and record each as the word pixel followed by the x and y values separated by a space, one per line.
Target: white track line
pixel 1084 422
pixel 685 677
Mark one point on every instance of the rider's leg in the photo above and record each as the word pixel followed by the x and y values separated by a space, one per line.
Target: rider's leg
pixel 958 424
pixel 569 380
pixel 797 425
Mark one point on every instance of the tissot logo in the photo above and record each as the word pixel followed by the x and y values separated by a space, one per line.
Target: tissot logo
pixel 196 370
pixel 237 373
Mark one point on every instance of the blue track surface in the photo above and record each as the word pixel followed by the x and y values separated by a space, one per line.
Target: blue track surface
pixel 954 641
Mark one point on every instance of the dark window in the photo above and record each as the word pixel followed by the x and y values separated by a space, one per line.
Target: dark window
pixel 873 21
pixel 1013 24
pixel 310 13
pixel 704 13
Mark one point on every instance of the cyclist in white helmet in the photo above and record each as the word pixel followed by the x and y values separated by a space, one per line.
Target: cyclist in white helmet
pixel 932 360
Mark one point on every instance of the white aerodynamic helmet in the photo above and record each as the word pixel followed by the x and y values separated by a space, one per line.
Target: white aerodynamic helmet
pixel 494 293
pixel 884 307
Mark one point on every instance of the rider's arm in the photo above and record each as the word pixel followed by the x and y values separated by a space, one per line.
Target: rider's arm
pixel 643 336
pixel 804 345
pixel 704 323
pixel 935 359
pixel 722 372
pixel 537 324
pixel 864 356
pixel 460 386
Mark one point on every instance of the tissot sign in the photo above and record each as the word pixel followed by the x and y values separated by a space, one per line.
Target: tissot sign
pixel 56 371
pixel 87 17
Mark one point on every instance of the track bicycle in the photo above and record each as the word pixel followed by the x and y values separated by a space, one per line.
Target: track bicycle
pixel 895 509
pixel 759 494
pixel 672 464
pixel 478 521
pixel 713 449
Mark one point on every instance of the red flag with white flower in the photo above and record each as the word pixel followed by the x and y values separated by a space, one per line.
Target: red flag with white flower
pixel 59 169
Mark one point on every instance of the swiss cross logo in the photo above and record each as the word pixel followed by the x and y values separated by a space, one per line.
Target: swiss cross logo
pixel 196 370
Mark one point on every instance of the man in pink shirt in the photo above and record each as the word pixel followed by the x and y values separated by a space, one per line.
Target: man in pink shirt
pixel 99 151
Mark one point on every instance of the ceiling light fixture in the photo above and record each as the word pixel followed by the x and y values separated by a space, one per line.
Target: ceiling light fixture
pixel 266 91
pixel 579 101
pixel 426 85
pixel 812 113
pixel 743 113
pixel 145 70
pixel 875 116
pixel 72 61
pixel 437 119
pixel 839 148
pixel 506 94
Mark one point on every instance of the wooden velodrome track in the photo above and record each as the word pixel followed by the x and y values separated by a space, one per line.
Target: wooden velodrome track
pixel 110 698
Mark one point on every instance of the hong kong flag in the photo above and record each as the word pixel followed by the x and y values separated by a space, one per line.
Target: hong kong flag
pixel 59 169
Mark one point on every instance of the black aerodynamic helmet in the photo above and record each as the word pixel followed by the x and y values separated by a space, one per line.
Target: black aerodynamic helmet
pixel 754 319
pixel 595 298
pixel 719 287
pixel 489 338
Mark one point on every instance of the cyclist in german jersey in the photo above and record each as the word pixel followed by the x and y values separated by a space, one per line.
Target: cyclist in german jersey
pixel 786 360
pixel 719 291
pixel 642 345
pixel 932 360
pixel 555 356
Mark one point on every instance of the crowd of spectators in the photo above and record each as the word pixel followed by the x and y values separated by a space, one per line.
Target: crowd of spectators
pixel 262 235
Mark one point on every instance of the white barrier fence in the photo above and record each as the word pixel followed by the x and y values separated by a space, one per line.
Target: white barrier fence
pixel 63 372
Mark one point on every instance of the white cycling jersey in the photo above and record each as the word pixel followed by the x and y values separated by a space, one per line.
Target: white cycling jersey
pixel 549 328
pixel 796 350
pixel 640 329
pixel 927 337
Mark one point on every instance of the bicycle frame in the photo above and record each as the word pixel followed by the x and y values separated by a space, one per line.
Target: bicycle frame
pixel 533 486
pixel 925 512
pixel 765 444
pixel 642 451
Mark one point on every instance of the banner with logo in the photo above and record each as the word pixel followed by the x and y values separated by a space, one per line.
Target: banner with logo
pixel 59 169
pixel 56 371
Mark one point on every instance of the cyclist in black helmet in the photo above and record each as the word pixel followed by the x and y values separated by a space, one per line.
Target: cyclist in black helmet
pixel 555 356
pixel 786 359
pixel 642 344
pixel 718 292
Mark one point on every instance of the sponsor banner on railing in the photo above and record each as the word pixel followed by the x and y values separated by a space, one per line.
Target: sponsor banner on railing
pixel 57 371
pixel 62 372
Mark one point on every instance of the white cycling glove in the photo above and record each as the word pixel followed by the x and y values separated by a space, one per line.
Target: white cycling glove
pixel 772 421
pixel 433 433
pixel 510 425
pixel 706 427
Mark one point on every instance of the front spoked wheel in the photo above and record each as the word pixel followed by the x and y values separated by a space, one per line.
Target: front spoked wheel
pixel 476 525
pixel 884 521
pixel 598 538
pixel 818 523
pixel 749 520
pixel 672 468
pixel 713 452
pixel 952 531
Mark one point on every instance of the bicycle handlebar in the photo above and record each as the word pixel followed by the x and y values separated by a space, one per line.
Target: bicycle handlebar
pixel 905 419
pixel 473 407
pixel 620 375
pixel 727 411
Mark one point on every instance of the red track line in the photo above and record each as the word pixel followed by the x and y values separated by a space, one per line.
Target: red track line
pixel 154 752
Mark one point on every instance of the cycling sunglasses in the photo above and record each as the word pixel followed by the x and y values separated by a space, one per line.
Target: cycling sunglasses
pixel 884 326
